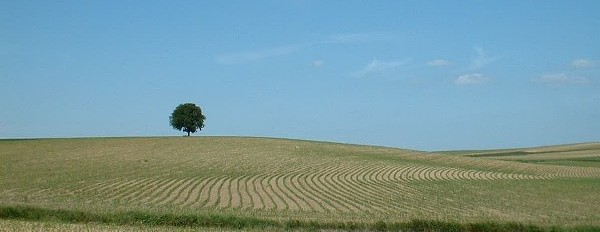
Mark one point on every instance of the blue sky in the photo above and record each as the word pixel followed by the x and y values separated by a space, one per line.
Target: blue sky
pixel 430 75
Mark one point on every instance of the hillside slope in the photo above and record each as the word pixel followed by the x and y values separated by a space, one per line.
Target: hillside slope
pixel 280 178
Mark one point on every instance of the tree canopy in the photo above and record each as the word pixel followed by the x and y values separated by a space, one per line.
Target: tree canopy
pixel 187 117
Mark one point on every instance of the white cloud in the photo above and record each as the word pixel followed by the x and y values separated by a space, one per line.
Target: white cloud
pixel 561 78
pixel 439 63
pixel 471 79
pixel 254 56
pixel 318 63
pixel 481 59
pixel 377 66
pixel 583 63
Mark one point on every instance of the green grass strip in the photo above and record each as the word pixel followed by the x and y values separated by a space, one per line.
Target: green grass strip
pixel 199 220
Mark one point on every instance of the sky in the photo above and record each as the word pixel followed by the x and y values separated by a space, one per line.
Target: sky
pixel 427 75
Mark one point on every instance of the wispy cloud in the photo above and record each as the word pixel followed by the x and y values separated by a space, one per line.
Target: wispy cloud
pixel 471 79
pixel 262 54
pixel 584 63
pixel 561 79
pixel 439 63
pixel 318 63
pixel 377 66
pixel 254 56
pixel 481 59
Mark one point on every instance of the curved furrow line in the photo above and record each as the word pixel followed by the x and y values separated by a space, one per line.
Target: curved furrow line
pixel 462 175
pixel 94 186
pixel 483 175
pixel 100 192
pixel 359 193
pixel 427 174
pixel 388 176
pixel 431 173
pixel 164 191
pixel 391 173
pixel 298 182
pixel 446 174
pixel 328 192
pixel 354 190
pixel 194 194
pixel 488 175
pixel 224 199
pixel 187 192
pixel 370 175
pixel 304 202
pixel 381 172
pixel 368 194
pixel 472 175
pixel 234 190
pixel 289 197
pixel 477 175
pixel 415 173
pixel 377 174
pixel 439 174
pixel 395 171
pixel 265 198
pixel 496 175
pixel 344 194
pixel 360 172
pixel 257 201
pixel 245 198
pixel 398 170
pixel 419 173
pixel 159 190
pixel 108 193
pixel 177 191
pixel 580 172
pixel 120 194
pixel 456 174
pixel 145 191
pixel 307 183
pixel 388 191
pixel 335 191
pixel 410 173
pixel 204 192
pixel 512 176
pixel 214 192
pixel 270 185
pixel 386 185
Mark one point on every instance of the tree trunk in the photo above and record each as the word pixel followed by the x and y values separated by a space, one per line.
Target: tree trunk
pixel 188 134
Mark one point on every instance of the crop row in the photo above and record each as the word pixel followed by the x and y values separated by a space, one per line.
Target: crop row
pixel 343 188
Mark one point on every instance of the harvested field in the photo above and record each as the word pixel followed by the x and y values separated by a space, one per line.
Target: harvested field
pixel 278 178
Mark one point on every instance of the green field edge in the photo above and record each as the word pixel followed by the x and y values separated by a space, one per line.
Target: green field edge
pixel 133 218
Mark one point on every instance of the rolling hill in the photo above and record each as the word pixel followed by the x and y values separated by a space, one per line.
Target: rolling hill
pixel 282 179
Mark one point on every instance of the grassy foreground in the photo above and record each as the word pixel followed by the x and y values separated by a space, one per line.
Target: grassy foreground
pixel 146 221
pixel 231 182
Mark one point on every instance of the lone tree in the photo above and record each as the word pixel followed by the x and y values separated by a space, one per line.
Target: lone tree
pixel 187 117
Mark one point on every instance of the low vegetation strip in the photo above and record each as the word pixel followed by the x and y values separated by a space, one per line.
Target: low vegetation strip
pixel 234 222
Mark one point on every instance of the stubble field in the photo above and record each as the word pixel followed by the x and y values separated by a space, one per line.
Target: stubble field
pixel 279 180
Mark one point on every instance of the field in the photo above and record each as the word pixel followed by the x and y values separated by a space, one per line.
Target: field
pixel 274 182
